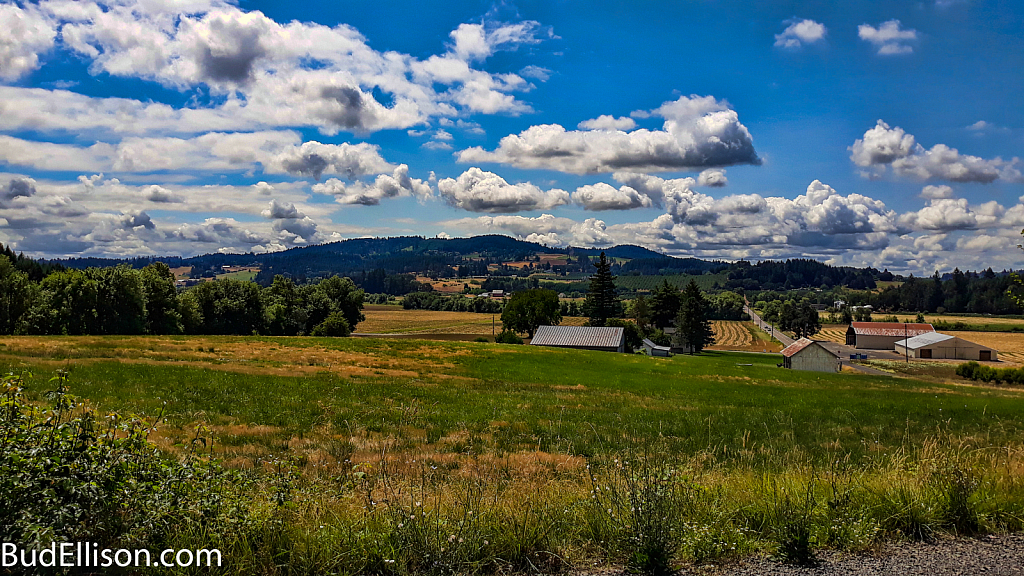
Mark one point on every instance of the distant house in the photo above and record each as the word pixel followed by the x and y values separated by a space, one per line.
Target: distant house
pixel 935 345
pixel 678 348
pixel 608 339
pixel 653 349
pixel 813 355
pixel 882 335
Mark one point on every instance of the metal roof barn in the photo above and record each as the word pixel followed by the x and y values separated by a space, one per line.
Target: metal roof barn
pixel 813 355
pixel 944 346
pixel 605 338
pixel 882 335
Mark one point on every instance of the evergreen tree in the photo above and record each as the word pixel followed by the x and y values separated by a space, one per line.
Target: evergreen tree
pixel 602 300
pixel 665 305
pixel 693 329
pixel 641 312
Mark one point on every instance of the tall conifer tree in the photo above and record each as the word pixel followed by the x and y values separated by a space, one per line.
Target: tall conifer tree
pixel 693 329
pixel 602 300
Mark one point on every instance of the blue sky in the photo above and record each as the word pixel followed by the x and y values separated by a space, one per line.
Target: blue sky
pixel 878 133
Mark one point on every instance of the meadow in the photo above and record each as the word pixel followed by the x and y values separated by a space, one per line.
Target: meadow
pixel 406 456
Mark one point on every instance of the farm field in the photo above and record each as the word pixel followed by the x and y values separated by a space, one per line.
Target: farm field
pixel 392 440
pixel 980 323
pixel 1010 345
pixel 704 281
pixel 382 319
pixel 736 335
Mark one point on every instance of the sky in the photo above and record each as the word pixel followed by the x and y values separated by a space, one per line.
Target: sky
pixel 881 134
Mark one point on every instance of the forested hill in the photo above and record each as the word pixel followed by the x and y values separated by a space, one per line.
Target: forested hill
pixel 34 269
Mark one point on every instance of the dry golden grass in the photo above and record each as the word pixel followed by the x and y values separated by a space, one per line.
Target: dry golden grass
pixel 932 318
pixel 736 335
pixel 445 286
pixel 396 320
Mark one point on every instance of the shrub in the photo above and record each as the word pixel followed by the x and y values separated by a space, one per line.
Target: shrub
pixel 480 339
pixel 508 337
pixel 334 325
pixel 66 475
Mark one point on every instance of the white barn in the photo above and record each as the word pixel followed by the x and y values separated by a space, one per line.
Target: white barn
pixel 813 355
pixel 943 346
pixel 653 349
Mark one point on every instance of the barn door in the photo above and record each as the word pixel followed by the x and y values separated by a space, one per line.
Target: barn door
pixel 926 353
pixel 985 355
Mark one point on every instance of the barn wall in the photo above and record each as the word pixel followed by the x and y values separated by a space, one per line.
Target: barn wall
pixel 815 359
pixel 867 342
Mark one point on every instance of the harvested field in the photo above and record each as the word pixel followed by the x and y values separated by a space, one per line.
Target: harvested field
pixel 736 335
pixel 397 320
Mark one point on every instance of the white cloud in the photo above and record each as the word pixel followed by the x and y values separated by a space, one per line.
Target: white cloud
pixel 698 132
pixel 883 146
pixel 544 229
pixel 26 34
pixel 889 38
pixel 949 214
pixel 398 184
pixel 712 178
pixel 936 192
pixel 799 33
pixel 608 122
pixel 478 41
pixel 478 191
pixel 602 196
pixel 314 159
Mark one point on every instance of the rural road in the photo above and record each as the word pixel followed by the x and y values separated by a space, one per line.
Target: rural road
pixel 777 334
pixel 989 556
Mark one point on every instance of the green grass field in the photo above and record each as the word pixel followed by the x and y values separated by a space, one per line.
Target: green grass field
pixel 523 435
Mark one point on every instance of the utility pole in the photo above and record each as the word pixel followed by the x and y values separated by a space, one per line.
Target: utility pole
pixel 906 343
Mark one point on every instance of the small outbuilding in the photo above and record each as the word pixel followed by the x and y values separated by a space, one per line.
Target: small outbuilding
pixel 813 355
pixel 653 349
pixel 606 338
pixel 943 346
pixel 882 335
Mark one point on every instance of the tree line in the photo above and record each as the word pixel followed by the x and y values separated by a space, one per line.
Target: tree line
pixel 124 300
pixel 689 312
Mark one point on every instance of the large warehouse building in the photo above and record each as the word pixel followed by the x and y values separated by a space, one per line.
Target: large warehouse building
pixel 882 335
pixel 935 345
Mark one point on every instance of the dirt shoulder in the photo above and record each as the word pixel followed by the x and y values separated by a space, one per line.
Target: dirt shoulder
pixel 987 555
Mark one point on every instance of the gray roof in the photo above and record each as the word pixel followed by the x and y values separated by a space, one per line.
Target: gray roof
pixel 924 340
pixel 654 346
pixel 578 336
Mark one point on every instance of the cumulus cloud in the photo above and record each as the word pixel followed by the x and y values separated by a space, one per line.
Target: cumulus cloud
pixel 712 178
pixel 698 132
pixel 936 192
pixel 272 74
pixel 137 219
pixel 478 191
pixel 26 34
pixel 889 38
pixel 314 159
pixel 18 187
pixel 884 146
pixel 159 194
pixel 800 32
pixel 949 214
pixel 608 122
pixel 544 229
pixel 603 196
pixel 278 210
pixel 394 185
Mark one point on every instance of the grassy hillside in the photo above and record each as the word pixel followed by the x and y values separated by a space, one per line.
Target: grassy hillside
pixel 377 456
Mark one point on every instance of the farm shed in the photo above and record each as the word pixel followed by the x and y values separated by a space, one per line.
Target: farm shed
pixel 653 349
pixel 607 339
pixel 935 345
pixel 882 335
pixel 813 355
